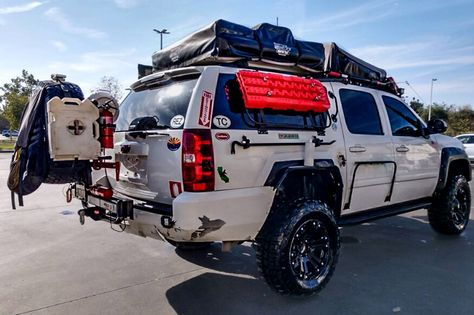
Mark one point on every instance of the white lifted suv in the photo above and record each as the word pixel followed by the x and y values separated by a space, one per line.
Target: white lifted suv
pixel 199 165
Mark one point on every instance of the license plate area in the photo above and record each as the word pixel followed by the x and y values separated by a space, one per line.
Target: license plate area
pixel 123 208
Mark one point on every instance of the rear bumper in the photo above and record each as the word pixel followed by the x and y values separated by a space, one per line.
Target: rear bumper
pixel 229 215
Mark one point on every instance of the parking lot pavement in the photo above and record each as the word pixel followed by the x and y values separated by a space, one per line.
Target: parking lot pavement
pixel 49 264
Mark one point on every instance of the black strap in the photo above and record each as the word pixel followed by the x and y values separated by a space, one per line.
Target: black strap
pixel 12 196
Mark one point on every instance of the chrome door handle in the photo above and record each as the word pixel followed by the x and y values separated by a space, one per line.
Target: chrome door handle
pixel 402 148
pixel 357 148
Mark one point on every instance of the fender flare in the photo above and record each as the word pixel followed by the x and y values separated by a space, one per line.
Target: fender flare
pixel 448 156
pixel 292 180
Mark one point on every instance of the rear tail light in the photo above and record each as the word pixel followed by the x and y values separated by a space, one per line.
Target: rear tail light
pixel 198 160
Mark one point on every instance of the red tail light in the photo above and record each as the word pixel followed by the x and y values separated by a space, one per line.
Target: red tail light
pixel 198 160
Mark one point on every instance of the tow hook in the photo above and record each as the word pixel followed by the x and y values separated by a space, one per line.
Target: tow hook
pixel 82 216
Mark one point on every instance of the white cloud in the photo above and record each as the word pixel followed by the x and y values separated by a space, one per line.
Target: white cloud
pixel 126 4
pixel 20 8
pixel 97 62
pixel 3 22
pixel 57 16
pixel 59 45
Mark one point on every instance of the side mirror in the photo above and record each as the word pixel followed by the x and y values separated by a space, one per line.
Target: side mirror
pixel 437 125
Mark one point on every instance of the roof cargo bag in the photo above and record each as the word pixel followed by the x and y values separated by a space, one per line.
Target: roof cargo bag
pixel 220 42
pixel 311 56
pixel 277 43
pixel 338 60
pixel 31 163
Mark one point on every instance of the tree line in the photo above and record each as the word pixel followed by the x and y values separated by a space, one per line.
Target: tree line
pixel 15 94
pixel 460 119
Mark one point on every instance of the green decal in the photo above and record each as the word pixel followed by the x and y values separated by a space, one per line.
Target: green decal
pixel 223 174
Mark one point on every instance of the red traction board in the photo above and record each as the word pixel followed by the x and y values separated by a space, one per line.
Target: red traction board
pixel 282 92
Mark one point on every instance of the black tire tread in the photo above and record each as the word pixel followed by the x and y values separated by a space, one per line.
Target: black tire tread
pixel 269 242
pixel 439 214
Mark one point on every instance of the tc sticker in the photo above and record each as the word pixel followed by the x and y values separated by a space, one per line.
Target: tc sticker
pixel 223 174
pixel 177 121
pixel 206 109
pixel 222 136
pixel 173 144
pixel 221 121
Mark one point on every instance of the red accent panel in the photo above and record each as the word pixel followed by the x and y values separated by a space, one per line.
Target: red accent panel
pixel 206 109
pixel 174 185
pixel 282 92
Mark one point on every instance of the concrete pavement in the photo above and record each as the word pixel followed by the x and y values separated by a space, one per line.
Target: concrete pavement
pixel 49 264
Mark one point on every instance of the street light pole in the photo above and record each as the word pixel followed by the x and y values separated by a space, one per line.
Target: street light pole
pixel 431 99
pixel 163 31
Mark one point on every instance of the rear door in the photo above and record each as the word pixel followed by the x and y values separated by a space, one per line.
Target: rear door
pixel 417 157
pixel 149 135
pixel 281 136
pixel 370 160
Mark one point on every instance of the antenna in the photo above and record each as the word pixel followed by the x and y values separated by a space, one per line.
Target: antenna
pixel 411 87
pixel 277 20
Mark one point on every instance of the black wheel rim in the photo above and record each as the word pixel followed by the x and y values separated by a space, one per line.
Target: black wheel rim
pixel 460 210
pixel 311 253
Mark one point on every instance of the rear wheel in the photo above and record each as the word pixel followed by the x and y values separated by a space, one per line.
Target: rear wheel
pixel 298 247
pixel 449 213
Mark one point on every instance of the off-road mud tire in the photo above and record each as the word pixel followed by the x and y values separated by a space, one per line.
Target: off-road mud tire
pixel 306 223
pixel 449 213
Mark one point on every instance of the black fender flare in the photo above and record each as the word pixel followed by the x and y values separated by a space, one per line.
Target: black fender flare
pixel 453 159
pixel 292 180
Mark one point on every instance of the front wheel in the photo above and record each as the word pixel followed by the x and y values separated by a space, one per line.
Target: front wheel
pixel 449 213
pixel 298 247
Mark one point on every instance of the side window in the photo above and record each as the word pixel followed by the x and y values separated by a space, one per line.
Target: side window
pixel 360 112
pixel 470 140
pixel 402 121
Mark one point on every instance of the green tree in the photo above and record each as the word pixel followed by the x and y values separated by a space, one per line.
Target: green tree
pixel 440 111
pixel 419 108
pixel 15 97
pixel 461 120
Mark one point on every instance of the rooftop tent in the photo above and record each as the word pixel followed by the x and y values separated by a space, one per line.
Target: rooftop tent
pixel 311 56
pixel 277 44
pixel 338 60
pixel 220 42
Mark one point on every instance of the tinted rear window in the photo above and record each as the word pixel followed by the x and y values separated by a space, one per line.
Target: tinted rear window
pixel 229 103
pixel 360 112
pixel 164 102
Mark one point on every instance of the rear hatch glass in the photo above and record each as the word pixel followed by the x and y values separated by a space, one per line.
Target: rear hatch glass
pixel 150 150
pixel 164 103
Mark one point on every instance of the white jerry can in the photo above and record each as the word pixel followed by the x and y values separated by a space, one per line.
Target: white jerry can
pixel 73 129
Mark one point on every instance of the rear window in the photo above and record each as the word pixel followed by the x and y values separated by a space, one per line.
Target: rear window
pixel 361 113
pixel 229 103
pixel 165 103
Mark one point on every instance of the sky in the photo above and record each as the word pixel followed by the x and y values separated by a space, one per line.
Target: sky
pixel 415 41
